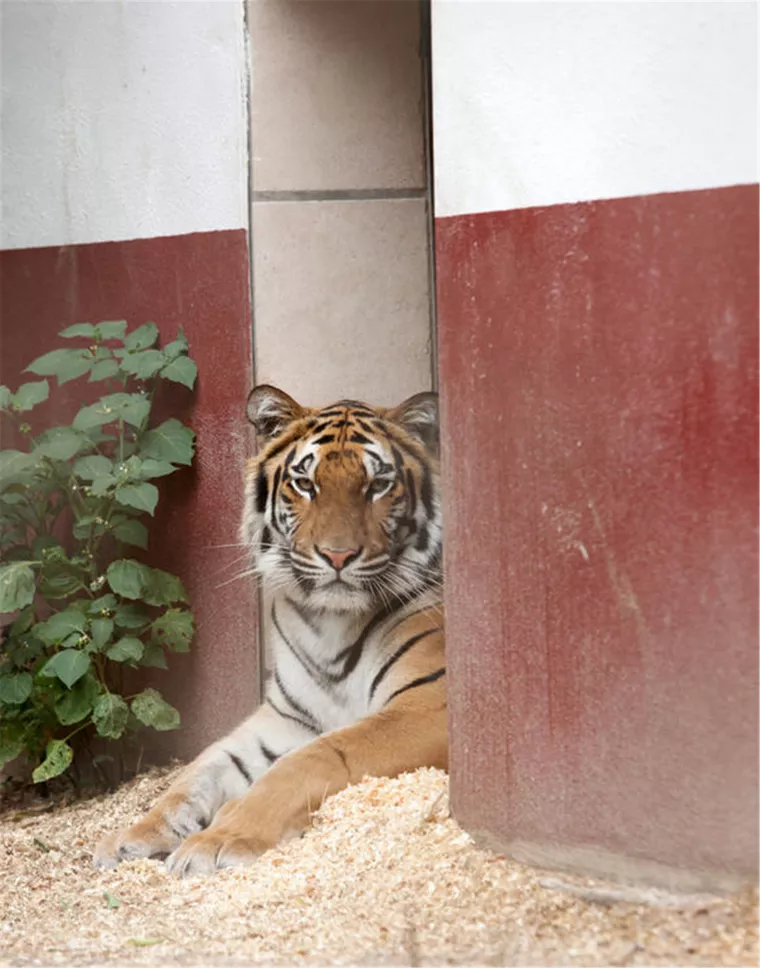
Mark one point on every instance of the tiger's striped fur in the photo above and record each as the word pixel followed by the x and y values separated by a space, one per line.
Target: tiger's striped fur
pixel 343 517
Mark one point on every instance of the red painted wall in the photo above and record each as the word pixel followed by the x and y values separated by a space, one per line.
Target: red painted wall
pixel 199 281
pixel 598 369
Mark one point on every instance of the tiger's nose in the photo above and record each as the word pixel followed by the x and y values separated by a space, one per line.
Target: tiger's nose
pixel 338 557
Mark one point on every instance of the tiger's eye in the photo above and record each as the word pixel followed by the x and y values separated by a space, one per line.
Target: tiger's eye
pixel 379 486
pixel 304 484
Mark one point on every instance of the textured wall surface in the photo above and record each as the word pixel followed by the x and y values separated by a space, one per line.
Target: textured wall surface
pixel 340 200
pixel 598 369
pixel 124 195
pixel 537 104
pixel 121 120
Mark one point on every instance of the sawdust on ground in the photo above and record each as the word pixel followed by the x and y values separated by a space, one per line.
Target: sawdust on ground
pixel 384 877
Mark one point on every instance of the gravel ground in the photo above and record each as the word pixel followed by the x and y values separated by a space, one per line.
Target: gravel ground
pixel 384 877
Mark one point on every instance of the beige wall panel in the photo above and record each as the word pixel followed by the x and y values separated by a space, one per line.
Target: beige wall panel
pixel 342 299
pixel 336 95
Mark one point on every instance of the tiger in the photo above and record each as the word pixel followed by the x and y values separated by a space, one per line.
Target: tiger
pixel 343 518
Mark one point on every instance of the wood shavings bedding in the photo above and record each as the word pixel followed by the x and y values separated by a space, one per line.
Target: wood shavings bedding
pixel 384 877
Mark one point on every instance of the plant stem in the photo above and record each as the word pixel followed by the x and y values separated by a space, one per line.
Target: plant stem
pixel 80 727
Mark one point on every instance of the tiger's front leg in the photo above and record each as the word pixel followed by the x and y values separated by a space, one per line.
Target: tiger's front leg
pixel 220 774
pixel 408 733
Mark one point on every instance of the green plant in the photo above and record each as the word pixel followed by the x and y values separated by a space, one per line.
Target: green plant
pixel 70 506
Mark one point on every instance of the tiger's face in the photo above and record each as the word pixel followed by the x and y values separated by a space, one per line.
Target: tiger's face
pixel 341 508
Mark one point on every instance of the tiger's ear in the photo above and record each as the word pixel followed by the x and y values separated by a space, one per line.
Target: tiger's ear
pixel 419 417
pixel 271 410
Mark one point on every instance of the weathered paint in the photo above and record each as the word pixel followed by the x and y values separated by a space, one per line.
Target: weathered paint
pixel 198 281
pixel 598 368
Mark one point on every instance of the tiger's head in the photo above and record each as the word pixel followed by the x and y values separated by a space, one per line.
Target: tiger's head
pixel 342 505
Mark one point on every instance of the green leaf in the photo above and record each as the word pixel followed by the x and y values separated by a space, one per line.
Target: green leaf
pixel 106 603
pixel 93 416
pixel 78 329
pixel 49 363
pixel 161 588
pixel 61 443
pixel 16 586
pixel 15 688
pixel 181 370
pixel 13 463
pixel 96 436
pixel 74 705
pixel 103 369
pixel 132 532
pixel 79 605
pixel 102 485
pixel 171 441
pixel 143 497
pixel 152 710
pixel 111 900
pixel 175 629
pixel 68 665
pixel 110 716
pixel 177 347
pixel 132 408
pixel 60 625
pixel 59 575
pixel 153 656
pixel 64 364
pixel 101 630
pixel 5 398
pixel 46 545
pixel 24 621
pixel 88 468
pixel 29 395
pixel 154 468
pixel 127 578
pixel 128 649
pixel 142 337
pixel 60 585
pixel 9 750
pixel 130 617
pixel 143 364
pixel 130 468
pixel 53 560
pixel 112 329
pixel 58 757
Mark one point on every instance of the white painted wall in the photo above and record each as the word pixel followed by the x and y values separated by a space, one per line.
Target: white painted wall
pixel 121 119
pixel 542 103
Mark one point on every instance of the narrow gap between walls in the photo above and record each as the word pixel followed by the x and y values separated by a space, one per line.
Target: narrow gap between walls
pixel 426 61
pixel 248 54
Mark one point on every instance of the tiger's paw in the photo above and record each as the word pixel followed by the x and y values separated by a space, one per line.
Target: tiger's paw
pixel 213 849
pixel 132 843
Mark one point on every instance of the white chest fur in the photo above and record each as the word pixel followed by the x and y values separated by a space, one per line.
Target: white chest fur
pixel 326 662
